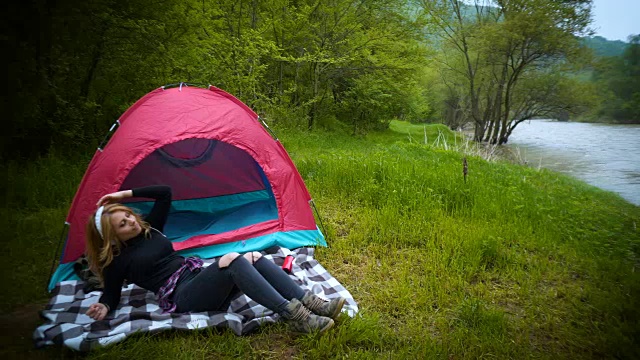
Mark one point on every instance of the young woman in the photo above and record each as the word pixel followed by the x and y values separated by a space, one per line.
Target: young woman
pixel 121 245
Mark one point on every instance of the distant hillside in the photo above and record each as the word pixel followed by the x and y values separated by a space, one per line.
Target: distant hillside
pixel 602 47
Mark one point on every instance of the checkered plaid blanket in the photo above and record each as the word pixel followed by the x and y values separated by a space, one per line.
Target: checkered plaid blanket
pixel 138 311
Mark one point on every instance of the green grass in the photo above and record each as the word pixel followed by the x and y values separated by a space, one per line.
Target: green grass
pixel 513 263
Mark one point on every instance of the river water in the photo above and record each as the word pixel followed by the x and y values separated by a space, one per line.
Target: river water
pixel 604 155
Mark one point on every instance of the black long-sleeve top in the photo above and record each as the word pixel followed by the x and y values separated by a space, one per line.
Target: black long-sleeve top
pixel 147 261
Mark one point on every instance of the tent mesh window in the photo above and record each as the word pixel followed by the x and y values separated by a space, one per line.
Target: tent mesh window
pixel 217 187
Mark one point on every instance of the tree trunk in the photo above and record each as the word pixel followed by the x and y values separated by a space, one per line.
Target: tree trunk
pixel 478 132
pixel 97 56
pixel 314 104
pixel 498 104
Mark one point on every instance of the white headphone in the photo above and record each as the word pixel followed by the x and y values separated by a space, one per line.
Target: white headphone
pixel 97 220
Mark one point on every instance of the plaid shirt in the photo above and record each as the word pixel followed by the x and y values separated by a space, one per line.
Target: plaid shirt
pixel 165 292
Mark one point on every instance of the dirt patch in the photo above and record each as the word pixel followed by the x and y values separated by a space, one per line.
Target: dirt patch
pixel 16 334
pixel 278 346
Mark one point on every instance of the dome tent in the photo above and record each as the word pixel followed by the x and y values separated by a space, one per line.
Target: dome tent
pixel 234 186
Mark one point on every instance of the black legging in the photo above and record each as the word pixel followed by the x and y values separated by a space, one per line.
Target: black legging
pixel 211 288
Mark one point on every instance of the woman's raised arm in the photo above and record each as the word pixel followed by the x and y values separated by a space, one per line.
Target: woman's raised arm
pixel 114 197
pixel 157 217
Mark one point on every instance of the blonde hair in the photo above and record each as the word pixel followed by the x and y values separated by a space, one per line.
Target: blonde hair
pixel 101 249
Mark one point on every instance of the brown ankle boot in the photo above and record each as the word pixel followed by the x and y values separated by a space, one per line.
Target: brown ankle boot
pixel 319 306
pixel 301 320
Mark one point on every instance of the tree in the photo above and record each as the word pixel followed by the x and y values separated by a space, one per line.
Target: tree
pixel 617 77
pixel 629 91
pixel 83 63
pixel 81 66
pixel 495 45
pixel 339 45
pixel 455 22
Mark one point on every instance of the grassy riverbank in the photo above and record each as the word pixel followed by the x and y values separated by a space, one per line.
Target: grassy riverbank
pixel 513 263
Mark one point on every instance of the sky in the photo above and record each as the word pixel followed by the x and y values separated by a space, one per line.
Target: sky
pixel 616 19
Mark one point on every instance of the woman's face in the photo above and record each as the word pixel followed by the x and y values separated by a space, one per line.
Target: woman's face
pixel 125 225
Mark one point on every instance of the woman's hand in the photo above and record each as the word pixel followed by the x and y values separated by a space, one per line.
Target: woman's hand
pixel 114 197
pixel 97 311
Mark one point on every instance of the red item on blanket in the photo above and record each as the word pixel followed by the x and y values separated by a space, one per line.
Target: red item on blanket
pixel 288 263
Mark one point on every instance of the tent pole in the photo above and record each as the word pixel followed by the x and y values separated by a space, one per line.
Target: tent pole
pixel 180 84
pixel 273 134
pixel 324 231
pixel 106 137
pixel 53 261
